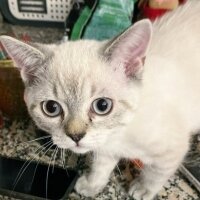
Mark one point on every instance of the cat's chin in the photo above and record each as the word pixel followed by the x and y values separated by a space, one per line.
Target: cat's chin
pixel 79 150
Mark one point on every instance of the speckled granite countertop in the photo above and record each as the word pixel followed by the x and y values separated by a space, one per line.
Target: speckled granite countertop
pixel 14 137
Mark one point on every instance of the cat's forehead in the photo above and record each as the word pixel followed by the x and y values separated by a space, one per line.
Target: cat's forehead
pixel 74 61
pixel 73 55
pixel 76 69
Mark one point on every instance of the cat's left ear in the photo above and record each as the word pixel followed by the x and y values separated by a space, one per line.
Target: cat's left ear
pixel 128 50
pixel 25 57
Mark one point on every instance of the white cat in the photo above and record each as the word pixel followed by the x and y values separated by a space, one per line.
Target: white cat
pixel 137 96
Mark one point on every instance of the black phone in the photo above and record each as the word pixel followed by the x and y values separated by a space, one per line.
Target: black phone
pixel 35 184
pixel 192 173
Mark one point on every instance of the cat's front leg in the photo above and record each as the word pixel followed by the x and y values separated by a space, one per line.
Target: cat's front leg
pixel 97 179
pixel 151 180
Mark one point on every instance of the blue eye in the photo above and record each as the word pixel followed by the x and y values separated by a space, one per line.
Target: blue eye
pixel 102 106
pixel 51 108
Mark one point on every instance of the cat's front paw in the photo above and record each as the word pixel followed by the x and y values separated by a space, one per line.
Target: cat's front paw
pixel 139 191
pixel 86 188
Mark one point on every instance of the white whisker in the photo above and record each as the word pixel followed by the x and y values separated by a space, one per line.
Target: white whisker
pixel 64 155
pixel 27 163
pixel 62 159
pixel 37 139
pixel 28 142
pixel 35 171
pixel 47 175
pixel 54 159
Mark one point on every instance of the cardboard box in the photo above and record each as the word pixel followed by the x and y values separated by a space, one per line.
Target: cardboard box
pixel 11 92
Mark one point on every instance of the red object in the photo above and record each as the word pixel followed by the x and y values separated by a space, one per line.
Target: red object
pixel 25 37
pixel 153 13
pixel 138 163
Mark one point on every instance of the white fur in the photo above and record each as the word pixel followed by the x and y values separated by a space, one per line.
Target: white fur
pixel 169 106
pixel 151 120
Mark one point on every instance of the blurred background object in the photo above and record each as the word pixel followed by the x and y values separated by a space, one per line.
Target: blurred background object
pixel 36 13
pixel 107 20
pixel 153 9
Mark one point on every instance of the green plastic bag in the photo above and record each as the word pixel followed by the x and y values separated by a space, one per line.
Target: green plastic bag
pixel 108 19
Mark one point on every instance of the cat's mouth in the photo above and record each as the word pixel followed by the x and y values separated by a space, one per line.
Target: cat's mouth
pixel 73 146
pixel 79 149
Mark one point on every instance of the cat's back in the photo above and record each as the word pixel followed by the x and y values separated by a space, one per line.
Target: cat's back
pixel 175 46
pixel 172 70
pixel 178 30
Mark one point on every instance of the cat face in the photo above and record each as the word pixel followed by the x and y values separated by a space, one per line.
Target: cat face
pixel 83 93
pixel 78 101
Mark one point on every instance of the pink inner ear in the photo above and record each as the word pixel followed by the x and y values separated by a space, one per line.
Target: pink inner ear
pixel 135 59
pixel 133 67
pixel 130 49
pixel 131 57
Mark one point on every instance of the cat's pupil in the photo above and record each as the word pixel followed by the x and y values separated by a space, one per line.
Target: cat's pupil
pixel 102 105
pixel 51 106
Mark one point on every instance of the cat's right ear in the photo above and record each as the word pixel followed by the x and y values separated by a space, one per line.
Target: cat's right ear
pixel 127 52
pixel 25 57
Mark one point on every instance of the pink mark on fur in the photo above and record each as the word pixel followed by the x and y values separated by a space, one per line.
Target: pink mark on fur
pixel 138 163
